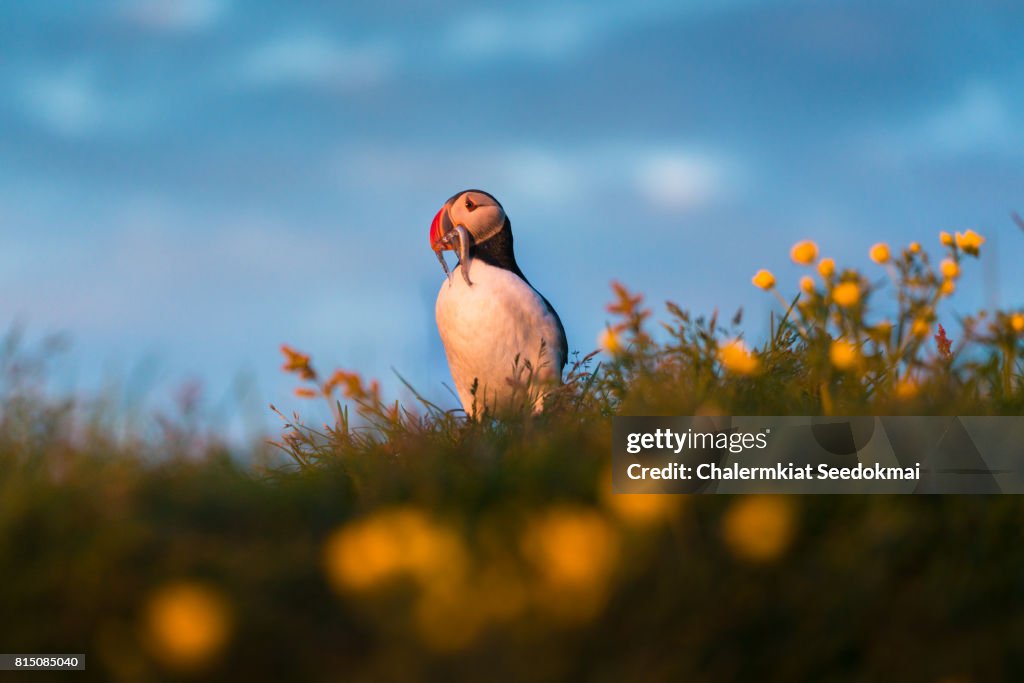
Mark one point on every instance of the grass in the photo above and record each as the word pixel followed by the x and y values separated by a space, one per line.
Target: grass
pixel 406 542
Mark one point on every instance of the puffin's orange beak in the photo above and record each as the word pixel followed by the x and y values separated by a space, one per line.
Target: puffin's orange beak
pixel 440 226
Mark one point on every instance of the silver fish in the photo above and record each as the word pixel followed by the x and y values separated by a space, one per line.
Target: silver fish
pixel 444 265
pixel 465 242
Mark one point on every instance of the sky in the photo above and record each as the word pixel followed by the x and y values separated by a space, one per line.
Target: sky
pixel 187 184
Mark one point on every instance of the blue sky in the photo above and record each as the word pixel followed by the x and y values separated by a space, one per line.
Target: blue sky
pixel 187 184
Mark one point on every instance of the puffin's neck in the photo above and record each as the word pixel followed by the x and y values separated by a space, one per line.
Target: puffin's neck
pixel 497 251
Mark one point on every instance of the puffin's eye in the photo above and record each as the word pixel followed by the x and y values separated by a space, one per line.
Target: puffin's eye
pixel 469 204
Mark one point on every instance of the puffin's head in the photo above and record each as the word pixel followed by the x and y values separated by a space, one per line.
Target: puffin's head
pixel 470 217
pixel 476 210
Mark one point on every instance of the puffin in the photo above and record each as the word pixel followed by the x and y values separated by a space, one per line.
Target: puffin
pixel 498 331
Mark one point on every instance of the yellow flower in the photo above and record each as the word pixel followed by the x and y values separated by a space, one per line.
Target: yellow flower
pixel 369 553
pixel 826 267
pixel 846 294
pixel 970 242
pixel 947 288
pixel 915 247
pixel 646 508
pixel 575 552
pixel 610 341
pixel 920 327
pixel 187 624
pixel 844 355
pixel 880 253
pixel 759 528
pixel 1017 322
pixel 807 284
pixel 763 279
pixel 804 252
pixel 737 359
pixel 906 389
pixel 946 239
pixel 949 269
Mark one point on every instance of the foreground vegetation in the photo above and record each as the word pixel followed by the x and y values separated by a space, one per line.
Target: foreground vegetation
pixel 405 542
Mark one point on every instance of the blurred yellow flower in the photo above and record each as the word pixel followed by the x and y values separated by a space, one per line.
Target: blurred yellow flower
pixel 947 288
pixel 187 624
pixel 610 341
pixel 844 355
pixel 574 551
pixel 759 528
pixel 368 553
pixel 826 267
pixel 1017 322
pixel 970 242
pixel 880 253
pixel 846 294
pixel 804 252
pixel 736 358
pixel 915 247
pixel 640 509
pixel 949 268
pixel 920 328
pixel 645 509
pixel 946 239
pixel 906 389
pixel 807 284
pixel 306 392
pixel 763 279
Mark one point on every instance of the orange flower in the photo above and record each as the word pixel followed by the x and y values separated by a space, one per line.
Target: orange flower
pixel 804 252
pixel 759 528
pixel 970 242
pixel 297 362
pixel 736 358
pixel 880 253
pixel 906 389
pixel 844 355
pixel 187 624
pixel 949 268
pixel 610 341
pixel 846 294
pixel 763 279
pixel 826 267
pixel 1017 322
pixel 575 552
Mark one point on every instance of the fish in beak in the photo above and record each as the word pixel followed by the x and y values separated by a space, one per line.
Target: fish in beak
pixel 445 236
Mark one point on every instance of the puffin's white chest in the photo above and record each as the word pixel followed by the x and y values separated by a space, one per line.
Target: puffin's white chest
pixel 484 327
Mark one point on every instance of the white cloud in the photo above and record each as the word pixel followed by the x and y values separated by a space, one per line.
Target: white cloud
pixel 313 59
pixel 552 31
pixel 672 178
pixel 978 118
pixel 175 15
pixel 548 33
pixel 679 181
pixel 67 101
pixel 74 101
